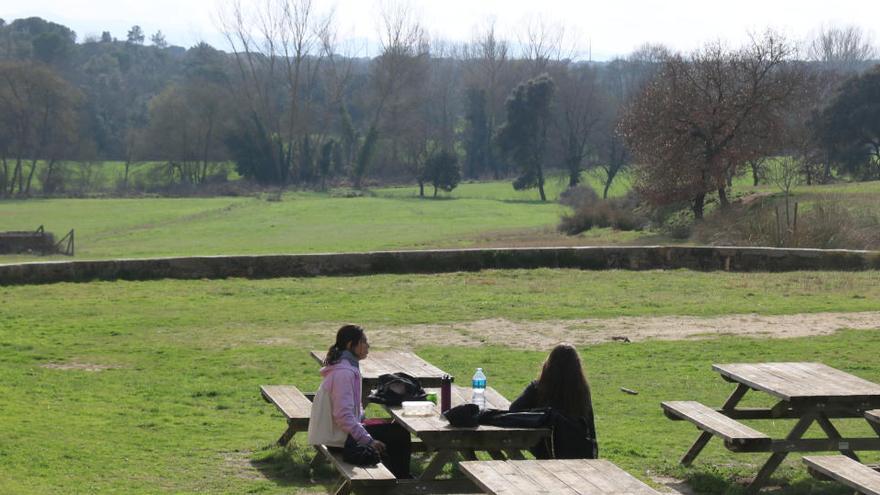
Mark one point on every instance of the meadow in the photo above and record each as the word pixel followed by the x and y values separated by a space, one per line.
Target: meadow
pixel 476 214
pixel 293 222
pixel 145 387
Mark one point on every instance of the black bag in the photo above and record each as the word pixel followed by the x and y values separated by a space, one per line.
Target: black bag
pixel 535 418
pixel 463 415
pixel 359 455
pixel 395 388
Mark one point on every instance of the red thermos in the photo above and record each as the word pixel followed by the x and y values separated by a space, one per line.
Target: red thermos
pixel 445 393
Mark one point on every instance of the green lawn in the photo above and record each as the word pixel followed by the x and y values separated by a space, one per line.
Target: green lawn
pixel 299 223
pixel 179 409
pixel 475 214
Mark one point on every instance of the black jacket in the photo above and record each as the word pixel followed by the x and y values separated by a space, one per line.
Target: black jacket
pixel 573 438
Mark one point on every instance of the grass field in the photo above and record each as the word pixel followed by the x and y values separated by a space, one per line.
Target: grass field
pixel 177 409
pixel 299 223
pixel 475 214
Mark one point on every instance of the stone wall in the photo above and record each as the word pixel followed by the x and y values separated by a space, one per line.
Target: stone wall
pixel 436 261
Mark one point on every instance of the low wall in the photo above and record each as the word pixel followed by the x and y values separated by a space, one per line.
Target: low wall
pixel 437 261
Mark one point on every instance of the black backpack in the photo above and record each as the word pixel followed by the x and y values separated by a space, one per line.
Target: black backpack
pixel 395 388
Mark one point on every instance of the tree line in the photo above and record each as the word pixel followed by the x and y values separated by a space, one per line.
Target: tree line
pixel 292 105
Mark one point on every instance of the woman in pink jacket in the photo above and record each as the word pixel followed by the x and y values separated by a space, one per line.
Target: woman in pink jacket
pixel 337 418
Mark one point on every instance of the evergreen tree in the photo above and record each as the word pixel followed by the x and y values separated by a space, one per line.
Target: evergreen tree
pixel 523 137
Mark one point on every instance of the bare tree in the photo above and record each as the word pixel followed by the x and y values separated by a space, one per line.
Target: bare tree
pixel 577 115
pixel 38 121
pixel 398 79
pixel 278 51
pixel 702 117
pixel 488 69
pixel 841 48
pixel 543 42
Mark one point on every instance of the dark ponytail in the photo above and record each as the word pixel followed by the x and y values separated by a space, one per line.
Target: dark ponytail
pixel 345 336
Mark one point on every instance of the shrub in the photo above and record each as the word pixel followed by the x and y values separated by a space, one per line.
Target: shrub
pixel 578 196
pixel 825 224
pixel 617 213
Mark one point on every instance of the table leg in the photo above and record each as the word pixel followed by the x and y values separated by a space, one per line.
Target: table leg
pixel 688 458
pixel 440 459
pixel 343 487
pixel 776 458
pixel 286 436
pixel 515 454
pixel 875 426
pixel 833 434
pixel 497 455
pixel 701 441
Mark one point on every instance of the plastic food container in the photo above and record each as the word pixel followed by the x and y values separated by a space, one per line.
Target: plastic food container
pixel 418 408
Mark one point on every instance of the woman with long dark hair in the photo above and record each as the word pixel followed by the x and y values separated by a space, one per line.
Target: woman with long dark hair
pixel 563 387
pixel 337 417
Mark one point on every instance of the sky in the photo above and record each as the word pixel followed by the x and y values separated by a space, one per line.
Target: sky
pixel 598 30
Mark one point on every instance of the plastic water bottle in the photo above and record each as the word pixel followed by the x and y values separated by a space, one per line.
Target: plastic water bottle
pixel 478 389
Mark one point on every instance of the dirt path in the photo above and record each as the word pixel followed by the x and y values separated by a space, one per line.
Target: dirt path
pixel 544 334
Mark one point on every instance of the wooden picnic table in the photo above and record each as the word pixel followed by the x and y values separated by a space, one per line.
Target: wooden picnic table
pixel 447 442
pixel 380 363
pixel 807 393
pixel 556 476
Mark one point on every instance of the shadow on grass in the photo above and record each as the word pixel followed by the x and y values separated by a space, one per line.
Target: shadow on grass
pixel 706 483
pixel 290 467
pixel 528 201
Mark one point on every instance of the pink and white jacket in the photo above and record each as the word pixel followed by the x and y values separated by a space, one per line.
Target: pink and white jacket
pixel 336 410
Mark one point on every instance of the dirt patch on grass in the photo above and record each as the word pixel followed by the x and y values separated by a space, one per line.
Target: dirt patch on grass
pixel 544 334
pixel 75 366
pixel 673 486
pixel 239 464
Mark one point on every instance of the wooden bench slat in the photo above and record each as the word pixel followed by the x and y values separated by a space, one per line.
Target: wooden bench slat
pixel 846 471
pixel 295 406
pixel 709 420
pixel 360 475
pixel 873 416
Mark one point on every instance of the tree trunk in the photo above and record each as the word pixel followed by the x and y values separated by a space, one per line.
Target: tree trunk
pixel 574 174
pixel 48 187
pixel 421 189
pixel 610 174
pixel 826 172
pixel 722 197
pixel 755 178
pixel 541 184
pixel 435 191
pixel 16 176
pixel 697 205
pixel 4 177
pixel 31 176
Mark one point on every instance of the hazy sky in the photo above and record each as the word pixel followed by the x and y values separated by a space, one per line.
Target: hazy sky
pixel 610 27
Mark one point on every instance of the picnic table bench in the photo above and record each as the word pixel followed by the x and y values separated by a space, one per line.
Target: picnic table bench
pixel 359 479
pixel 293 404
pixel 556 476
pixel 846 471
pixel 806 392
pixel 737 436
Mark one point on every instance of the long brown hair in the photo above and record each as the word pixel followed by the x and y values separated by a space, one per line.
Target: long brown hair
pixel 345 336
pixel 562 384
